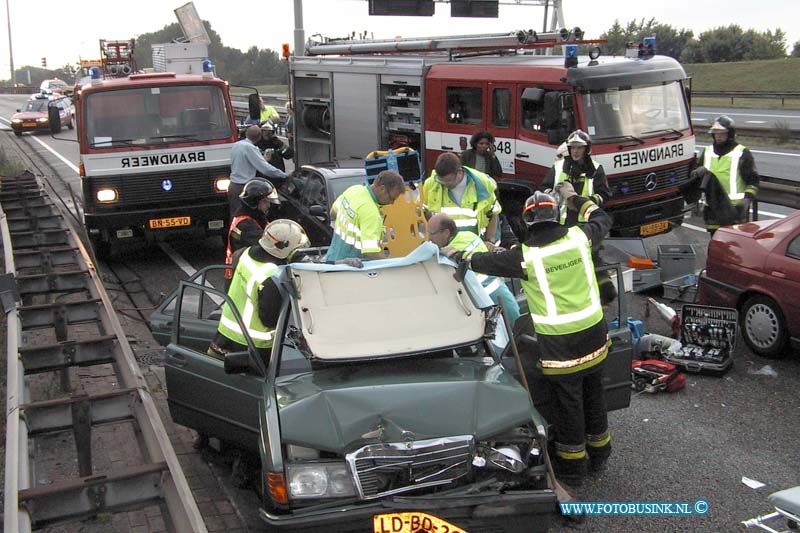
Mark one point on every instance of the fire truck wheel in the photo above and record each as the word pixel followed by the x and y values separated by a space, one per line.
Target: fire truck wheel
pixel 764 327
pixel 101 247
pixel 71 124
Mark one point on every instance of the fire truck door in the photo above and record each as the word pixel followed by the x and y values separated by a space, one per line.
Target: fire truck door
pixel 502 123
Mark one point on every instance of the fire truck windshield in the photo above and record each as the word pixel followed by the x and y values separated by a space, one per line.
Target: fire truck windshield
pixel 642 111
pixel 156 115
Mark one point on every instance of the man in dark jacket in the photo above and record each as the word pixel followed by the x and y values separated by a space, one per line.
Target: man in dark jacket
pixel 275 150
pixel 249 220
pixel 557 273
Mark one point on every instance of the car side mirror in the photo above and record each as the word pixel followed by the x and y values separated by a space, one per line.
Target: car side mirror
pixel 318 211
pixel 238 363
pixel 17 110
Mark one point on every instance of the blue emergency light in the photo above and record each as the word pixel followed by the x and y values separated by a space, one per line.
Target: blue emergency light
pixel 571 55
pixel 208 66
pixel 95 73
pixel 648 47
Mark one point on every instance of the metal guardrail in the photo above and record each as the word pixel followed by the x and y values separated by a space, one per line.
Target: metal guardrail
pixel 778 191
pixel 770 95
pixel 28 89
pixel 57 288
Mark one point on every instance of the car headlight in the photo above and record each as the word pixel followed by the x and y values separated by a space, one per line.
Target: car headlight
pixel 222 184
pixel 16 121
pixel 319 480
pixel 106 195
pixel 41 120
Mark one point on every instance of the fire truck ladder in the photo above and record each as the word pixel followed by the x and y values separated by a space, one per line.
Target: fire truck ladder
pixel 73 378
pixel 467 43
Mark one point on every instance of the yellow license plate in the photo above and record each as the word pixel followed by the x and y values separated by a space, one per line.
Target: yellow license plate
pixel 413 522
pixel 174 222
pixel 654 228
pixel 28 124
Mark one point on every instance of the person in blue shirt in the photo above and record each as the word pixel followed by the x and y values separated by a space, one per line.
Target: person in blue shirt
pixel 246 161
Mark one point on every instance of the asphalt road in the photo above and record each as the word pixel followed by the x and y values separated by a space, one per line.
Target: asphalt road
pixel 749 118
pixel 694 444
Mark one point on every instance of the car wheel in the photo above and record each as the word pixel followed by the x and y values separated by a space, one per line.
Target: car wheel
pixel 71 124
pixel 102 248
pixel 763 327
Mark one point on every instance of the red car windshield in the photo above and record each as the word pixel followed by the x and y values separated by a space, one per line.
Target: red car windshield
pixel 36 105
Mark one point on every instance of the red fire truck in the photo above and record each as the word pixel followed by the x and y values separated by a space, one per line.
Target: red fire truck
pixel 154 155
pixel 433 93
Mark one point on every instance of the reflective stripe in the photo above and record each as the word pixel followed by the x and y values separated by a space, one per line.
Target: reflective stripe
pixel 570 363
pixel 535 257
pixel 466 222
pixel 735 155
pixel 598 441
pixel 493 286
pixel 459 211
pixel 250 275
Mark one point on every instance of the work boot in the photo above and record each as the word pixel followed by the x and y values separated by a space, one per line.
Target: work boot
pixel 598 458
pixel 571 471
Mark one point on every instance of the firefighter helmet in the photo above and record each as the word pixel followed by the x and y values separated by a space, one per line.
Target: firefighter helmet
pixel 282 237
pixel 267 125
pixel 539 208
pixel 256 190
pixel 580 138
pixel 723 124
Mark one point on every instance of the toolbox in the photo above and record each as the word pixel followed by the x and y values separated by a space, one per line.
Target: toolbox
pixel 675 260
pixel 404 161
pixel 708 338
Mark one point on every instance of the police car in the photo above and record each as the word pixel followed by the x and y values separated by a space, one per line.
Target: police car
pixel 34 116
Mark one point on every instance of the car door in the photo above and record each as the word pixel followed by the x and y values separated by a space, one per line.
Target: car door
pixel 783 269
pixel 200 394
pixel 303 191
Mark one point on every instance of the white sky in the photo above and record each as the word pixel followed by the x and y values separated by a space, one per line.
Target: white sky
pixel 64 32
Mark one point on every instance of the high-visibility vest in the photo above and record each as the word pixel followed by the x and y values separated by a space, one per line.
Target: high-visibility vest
pixel 359 222
pixel 726 169
pixel 469 243
pixel 229 250
pixel 562 294
pixel 586 191
pixel 250 275
pixel 478 204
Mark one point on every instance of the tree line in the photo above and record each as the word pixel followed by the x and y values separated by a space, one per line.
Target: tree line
pixel 723 44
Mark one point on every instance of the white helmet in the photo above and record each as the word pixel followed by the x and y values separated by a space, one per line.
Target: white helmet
pixel 282 237
pixel 267 125
pixel 579 138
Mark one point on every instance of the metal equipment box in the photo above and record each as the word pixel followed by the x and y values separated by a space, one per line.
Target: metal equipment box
pixel 675 260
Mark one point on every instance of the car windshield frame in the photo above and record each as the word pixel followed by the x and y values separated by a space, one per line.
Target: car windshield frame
pixel 640 111
pixel 157 115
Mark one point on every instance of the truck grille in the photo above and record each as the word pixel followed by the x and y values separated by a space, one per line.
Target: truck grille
pixel 639 183
pixel 186 185
pixel 391 468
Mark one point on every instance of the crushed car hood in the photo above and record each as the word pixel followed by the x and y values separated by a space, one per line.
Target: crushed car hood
pixel 339 407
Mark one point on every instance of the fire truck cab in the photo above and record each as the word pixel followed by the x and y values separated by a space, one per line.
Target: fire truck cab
pixel 634 109
pixel 154 156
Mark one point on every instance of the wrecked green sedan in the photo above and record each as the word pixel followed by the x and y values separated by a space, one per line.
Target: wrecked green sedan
pixel 386 405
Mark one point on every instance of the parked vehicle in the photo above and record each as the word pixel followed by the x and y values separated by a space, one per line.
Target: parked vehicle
pixel 55 85
pixel 361 413
pixel 755 267
pixel 35 116
pixel 432 94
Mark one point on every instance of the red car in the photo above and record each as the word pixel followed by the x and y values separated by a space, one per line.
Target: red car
pixel 755 267
pixel 34 117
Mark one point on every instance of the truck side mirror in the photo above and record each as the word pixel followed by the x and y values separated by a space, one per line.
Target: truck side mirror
pixel 54 118
pixel 254 106
pixel 552 110
pixel 238 363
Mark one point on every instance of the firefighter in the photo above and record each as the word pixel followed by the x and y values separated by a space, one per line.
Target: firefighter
pixel 727 175
pixel 357 218
pixel 442 231
pixel 578 168
pixel 274 149
pixel 465 194
pixel 481 155
pixel 246 161
pixel 557 273
pixel 247 225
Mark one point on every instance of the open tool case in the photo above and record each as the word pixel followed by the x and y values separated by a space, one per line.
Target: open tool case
pixel 708 336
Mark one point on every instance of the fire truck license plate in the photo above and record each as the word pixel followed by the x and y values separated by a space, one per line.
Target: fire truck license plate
pixel 412 523
pixel 654 229
pixel 174 222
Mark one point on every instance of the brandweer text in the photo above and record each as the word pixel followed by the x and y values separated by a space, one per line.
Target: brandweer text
pixel 648 156
pixel 163 159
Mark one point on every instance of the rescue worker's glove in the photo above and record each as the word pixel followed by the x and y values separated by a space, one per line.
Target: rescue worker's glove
pixel 566 191
pixel 354 262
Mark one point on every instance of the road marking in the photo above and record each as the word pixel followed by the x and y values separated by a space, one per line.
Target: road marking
pixel 744 114
pixel 692 227
pixel 49 149
pixel 187 268
pixel 755 121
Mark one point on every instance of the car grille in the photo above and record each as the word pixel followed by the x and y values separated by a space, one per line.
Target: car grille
pixel 638 183
pixel 186 185
pixel 392 468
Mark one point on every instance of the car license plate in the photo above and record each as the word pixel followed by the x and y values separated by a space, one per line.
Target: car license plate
pixel 28 124
pixel 654 228
pixel 173 222
pixel 412 523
